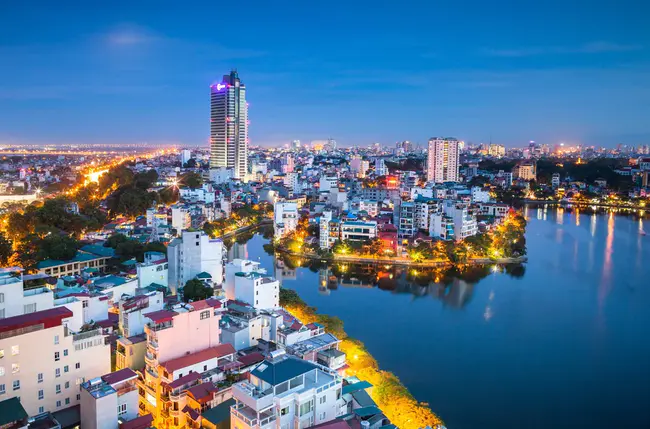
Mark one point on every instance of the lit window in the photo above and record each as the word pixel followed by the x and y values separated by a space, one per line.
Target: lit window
pixel 2 371
pixel 15 368
pixel 15 350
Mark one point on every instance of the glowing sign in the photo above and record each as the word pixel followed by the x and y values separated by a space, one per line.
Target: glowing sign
pixel 220 86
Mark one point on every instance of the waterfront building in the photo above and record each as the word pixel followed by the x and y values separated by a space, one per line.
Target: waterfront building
pixel 229 125
pixel 191 254
pixel 406 219
pixel 330 229
pixel 285 218
pixel 555 180
pixel 44 362
pixel 443 160
pixel 358 230
pixel 91 257
pixel 287 392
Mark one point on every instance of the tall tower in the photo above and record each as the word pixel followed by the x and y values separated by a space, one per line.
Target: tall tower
pixel 443 160
pixel 229 125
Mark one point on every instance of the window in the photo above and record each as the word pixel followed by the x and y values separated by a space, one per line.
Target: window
pixel 3 389
pixel 205 314
pixel 77 365
pixel 56 339
pixel 2 353
pixel 121 409
pixel 67 384
pixel 84 304
pixel 15 350
pixel 322 399
pixel 80 380
pixel 205 368
pixel 41 410
pixel 40 377
pixel 16 385
pixel 2 298
pixel 2 313
pixel 284 411
pixel 66 368
pixel 321 416
pixel 2 371
pixel 41 395
pixel 57 372
pixel 58 388
pixel 29 308
pixel 78 397
pixel 306 407
pixel 58 404
pixel 67 401
pixel 15 368
pixel 65 352
pixel 57 356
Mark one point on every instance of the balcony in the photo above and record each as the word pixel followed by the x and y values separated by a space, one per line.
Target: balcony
pixel 86 335
pixel 252 396
pixel 251 418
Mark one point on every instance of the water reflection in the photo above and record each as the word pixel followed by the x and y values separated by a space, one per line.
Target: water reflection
pixel 451 285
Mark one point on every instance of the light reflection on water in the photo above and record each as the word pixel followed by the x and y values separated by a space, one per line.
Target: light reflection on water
pixel 562 343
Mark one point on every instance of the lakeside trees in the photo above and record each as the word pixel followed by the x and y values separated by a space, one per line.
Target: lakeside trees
pixel 196 290
pixel 391 396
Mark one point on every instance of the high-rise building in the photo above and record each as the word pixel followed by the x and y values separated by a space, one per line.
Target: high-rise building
pixel 443 160
pixel 229 125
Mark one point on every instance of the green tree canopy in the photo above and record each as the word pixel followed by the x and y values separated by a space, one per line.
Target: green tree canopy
pixel 195 290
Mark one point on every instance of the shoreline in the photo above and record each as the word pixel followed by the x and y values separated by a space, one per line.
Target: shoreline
pixel 388 392
pixel 398 261
pixel 583 204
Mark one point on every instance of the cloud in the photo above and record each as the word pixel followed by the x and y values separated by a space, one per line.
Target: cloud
pixel 130 35
pixel 588 48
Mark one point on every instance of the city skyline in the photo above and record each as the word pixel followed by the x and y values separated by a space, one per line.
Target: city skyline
pixel 140 75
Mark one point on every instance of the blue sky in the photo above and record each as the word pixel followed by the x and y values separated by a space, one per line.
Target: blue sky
pixel 358 71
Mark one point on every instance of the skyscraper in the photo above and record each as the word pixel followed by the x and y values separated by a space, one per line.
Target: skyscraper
pixel 442 161
pixel 229 125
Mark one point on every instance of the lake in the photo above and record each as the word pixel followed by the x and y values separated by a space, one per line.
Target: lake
pixel 562 342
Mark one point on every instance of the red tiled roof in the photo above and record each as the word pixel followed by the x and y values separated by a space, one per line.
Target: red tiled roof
pixel 192 376
pixel 202 392
pixel 191 413
pixel 206 303
pixel 194 358
pixel 161 315
pixel 49 318
pixel 107 323
pixel 143 422
pixel 251 359
pixel 119 376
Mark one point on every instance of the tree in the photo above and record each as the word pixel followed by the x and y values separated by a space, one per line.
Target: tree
pixel 114 240
pixel 196 290
pixel 191 163
pixel 5 249
pixel 193 180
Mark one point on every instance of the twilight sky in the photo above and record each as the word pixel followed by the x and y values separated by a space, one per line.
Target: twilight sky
pixel 359 71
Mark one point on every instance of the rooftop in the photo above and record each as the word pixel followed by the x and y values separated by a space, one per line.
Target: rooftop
pixel 161 316
pixel 46 318
pixel 281 370
pixel 194 358
pixel 119 376
pixel 11 410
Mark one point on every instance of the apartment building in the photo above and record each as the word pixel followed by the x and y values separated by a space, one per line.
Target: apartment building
pixel 406 220
pixel 191 254
pixel 154 269
pixel 132 310
pixel 181 218
pixel 44 362
pixel 285 218
pixel 108 400
pixel 287 392
pixel 180 333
